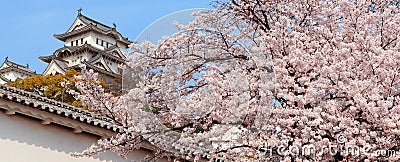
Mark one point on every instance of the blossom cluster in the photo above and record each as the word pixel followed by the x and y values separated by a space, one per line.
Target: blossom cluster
pixel 259 73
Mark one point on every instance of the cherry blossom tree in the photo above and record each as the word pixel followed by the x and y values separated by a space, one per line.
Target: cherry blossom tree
pixel 264 80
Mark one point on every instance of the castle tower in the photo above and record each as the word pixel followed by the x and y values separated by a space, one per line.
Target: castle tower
pixel 10 71
pixel 93 44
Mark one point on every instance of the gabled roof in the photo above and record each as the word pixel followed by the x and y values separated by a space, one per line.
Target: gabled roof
pixel 8 63
pixel 72 49
pixel 11 66
pixel 47 59
pixel 112 57
pixel 58 64
pixel 84 24
pixel 98 59
pixel 22 71
pixel 115 51
pixel 86 20
pixel 112 53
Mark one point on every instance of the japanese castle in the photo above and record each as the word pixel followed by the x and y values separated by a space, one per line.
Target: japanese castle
pixel 91 44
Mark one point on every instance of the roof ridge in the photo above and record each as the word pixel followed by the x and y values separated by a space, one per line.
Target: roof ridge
pixel 56 107
pixel 97 22
pixel 89 27
pixel 13 67
pixel 13 63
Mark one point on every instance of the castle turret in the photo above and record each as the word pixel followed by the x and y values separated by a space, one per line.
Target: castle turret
pixel 10 71
pixel 93 44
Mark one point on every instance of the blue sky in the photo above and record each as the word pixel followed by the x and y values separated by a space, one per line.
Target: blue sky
pixel 27 27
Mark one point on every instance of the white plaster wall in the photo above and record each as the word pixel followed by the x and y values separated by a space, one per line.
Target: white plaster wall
pixel 12 75
pixel 78 37
pixel 52 69
pixel 106 38
pixel 25 140
pixel 73 60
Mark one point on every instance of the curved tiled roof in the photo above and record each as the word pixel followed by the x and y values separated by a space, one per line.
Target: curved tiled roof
pixel 88 21
pixel 111 56
pixel 10 63
pixel 114 49
pixel 48 105
pixel 92 25
pixel 47 58
pixel 13 68
pixel 72 49
pixel 90 66
pixel 9 66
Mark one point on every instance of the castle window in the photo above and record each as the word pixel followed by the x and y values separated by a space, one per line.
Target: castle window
pixel 102 42
pixel 97 40
pixel 81 40
pixel 76 42
pixel 72 43
pixel 107 44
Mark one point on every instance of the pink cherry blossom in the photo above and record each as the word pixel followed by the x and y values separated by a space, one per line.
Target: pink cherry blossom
pixel 294 74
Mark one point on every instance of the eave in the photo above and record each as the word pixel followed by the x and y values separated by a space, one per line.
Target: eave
pixel 48 110
pixel 90 66
pixel 75 49
pixel 46 59
pixel 63 37
pixel 23 71
pixel 55 62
